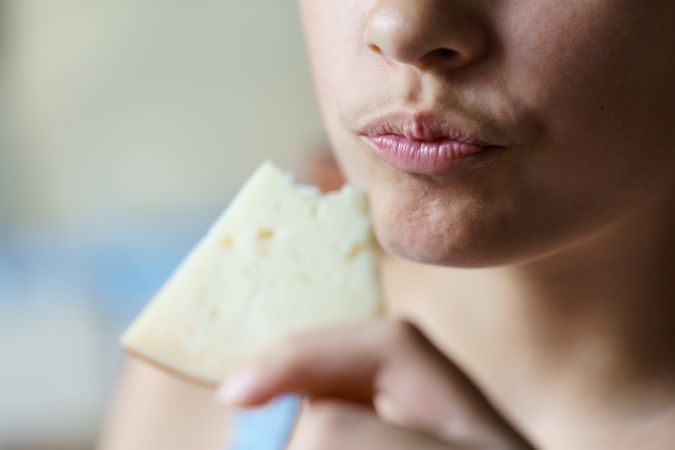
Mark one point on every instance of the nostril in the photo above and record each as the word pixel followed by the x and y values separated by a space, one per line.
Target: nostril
pixel 441 57
pixel 444 53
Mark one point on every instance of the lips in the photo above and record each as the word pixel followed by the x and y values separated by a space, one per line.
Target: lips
pixel 425 144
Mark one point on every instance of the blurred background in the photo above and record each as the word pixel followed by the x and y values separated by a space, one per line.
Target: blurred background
pixel 125 128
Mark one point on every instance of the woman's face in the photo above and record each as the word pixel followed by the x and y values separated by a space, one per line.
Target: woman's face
pixel 491 131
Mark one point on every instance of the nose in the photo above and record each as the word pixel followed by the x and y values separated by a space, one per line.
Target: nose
pixel 426 33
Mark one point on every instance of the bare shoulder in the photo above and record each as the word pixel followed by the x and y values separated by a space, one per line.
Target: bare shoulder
pixel 152 409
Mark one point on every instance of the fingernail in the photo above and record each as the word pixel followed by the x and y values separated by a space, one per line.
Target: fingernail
pixel 237 387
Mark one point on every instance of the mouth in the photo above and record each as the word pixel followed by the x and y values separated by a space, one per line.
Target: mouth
pixel 426 144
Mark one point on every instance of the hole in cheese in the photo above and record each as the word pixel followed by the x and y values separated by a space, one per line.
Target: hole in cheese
pixel 265 234
pixel 227 242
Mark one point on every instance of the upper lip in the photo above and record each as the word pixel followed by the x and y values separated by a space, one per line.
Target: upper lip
pixel 430 127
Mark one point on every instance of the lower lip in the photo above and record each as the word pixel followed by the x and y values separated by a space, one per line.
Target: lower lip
pixel 431 158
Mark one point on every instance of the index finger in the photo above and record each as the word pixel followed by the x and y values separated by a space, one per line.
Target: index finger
pixel 389 358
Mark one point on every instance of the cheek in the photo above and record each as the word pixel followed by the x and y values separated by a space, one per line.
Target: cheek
pixel 600 74
pixel 335 44
pixel 341 67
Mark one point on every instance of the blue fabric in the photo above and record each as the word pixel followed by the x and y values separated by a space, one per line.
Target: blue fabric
pixel 267 428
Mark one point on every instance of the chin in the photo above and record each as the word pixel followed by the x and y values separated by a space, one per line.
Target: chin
pixel 426 244
pixel 444 228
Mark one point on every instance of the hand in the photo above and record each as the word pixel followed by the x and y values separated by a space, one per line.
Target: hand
pixel 376 385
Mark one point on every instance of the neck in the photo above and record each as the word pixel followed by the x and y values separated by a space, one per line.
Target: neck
pixel 598 317
pixel 609 299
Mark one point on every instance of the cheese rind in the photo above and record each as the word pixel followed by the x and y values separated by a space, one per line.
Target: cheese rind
pixel 282 258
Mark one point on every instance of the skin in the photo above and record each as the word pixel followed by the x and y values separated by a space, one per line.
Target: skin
pixel 155 410
pixel 560 334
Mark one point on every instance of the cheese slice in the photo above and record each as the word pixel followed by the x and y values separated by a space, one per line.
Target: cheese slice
pixel 281 258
